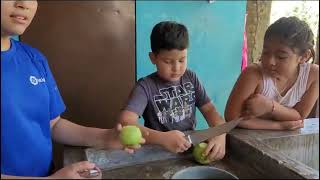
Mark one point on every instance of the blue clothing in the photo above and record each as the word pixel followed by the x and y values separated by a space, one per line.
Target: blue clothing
pixel 29 100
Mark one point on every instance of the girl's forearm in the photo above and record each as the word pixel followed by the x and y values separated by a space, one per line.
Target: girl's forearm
pixel 66 132
pixel 282 113
pixel 257 123
pixel 150 135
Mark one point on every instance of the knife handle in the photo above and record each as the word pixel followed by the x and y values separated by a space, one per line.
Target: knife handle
pixel 189 138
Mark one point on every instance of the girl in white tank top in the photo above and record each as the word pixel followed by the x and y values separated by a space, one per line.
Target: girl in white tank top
pixel 280 92
pixel 294 94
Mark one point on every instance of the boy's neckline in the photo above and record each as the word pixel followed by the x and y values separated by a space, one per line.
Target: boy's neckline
pixel 166 81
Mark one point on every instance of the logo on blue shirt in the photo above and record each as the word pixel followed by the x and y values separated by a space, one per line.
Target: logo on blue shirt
pixel 36 81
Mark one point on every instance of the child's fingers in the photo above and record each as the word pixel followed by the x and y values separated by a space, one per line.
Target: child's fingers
pixel 137 146
pixel 83 165
pixel 130 151
pixel 178 150
pixel 118 127
pixel 142 141
pixel 296 124
pixel 182 145
pixel 186 145
pixel 181 149
pixel 132 148
pixel 214 152
pixel 208 149
pixel 220 154
pixel 300 124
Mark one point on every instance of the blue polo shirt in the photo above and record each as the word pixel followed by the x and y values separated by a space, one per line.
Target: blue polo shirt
pixel 29 100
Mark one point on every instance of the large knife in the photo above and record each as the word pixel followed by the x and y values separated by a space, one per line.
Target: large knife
pixel 198 136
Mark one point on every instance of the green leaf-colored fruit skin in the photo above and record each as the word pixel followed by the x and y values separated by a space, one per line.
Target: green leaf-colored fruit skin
pixel 130 135
pixel 197 153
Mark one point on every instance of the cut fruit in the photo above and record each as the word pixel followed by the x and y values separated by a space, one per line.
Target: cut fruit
pixel 198 153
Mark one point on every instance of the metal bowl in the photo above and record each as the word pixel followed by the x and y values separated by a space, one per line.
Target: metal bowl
pixel 203 172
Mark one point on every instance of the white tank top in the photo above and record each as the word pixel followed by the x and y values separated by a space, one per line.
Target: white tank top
pixel 294 94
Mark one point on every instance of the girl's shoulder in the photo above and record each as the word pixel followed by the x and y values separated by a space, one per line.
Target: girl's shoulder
pixel 253 76
pixel 253 70
pixel 314 72
pixel 314 68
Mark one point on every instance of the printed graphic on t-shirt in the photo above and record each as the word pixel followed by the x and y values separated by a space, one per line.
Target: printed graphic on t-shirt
pixel 35 81
pixel 175 103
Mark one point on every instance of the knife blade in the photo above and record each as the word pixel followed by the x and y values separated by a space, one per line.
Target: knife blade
pixel 196 137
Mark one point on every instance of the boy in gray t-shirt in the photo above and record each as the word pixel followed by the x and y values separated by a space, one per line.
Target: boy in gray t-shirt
pixel 167 99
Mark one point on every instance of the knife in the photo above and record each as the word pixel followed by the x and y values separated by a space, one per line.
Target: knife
pixel 196 137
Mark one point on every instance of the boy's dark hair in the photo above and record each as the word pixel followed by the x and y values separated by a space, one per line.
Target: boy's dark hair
pixel 168 35
pixel 293 32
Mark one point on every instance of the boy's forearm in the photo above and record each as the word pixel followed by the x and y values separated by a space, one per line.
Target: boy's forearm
pixel 66 132
pixel 213 118
pixel 154 136
pixel 257 123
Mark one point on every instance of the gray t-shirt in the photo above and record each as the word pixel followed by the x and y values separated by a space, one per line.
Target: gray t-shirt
pixel 167 105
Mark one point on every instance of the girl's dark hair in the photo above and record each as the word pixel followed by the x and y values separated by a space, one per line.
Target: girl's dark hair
pixel 168 35
pixel 294 33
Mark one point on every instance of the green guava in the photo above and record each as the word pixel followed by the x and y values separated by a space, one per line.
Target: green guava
pixel 130 135
pixel 198 153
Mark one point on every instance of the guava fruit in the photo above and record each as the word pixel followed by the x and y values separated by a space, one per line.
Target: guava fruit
pixel 198 151
pixel 130 135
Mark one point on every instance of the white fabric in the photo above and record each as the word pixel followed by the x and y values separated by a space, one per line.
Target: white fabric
pixel 294 94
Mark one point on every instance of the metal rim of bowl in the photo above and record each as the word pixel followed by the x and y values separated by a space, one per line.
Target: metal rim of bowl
pixel 202 167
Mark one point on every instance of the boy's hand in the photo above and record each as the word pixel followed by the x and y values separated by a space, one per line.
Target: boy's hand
pixel 73 171
pixel 258 105
pixel 216 148
pixel 112 140
pixel 175 141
